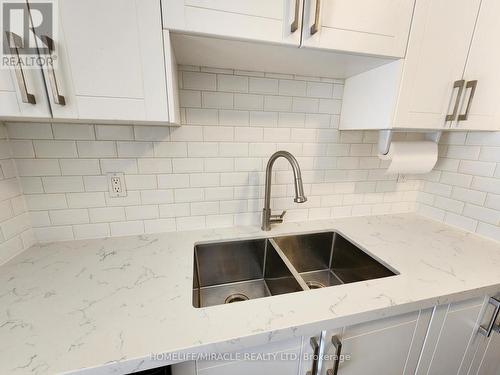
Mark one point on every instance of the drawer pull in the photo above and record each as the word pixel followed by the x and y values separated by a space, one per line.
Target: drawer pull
pixel 315 27
pixel 315 347
pixel 460 85
pixel 338 350
pixel 15 42
pixel 472 86
pixel 487 327
pixel 58 98
pixel 295 24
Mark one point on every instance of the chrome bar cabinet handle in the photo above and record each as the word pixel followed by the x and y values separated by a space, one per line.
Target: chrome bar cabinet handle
pixel 295 24
pixel 460 85
pixel 315 27
pixel 472 86
pixel 315 367
pixel 489 326
pixel 54 88
pixel 338 350
pixel 15 43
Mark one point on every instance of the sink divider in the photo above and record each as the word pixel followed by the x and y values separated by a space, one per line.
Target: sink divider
pixel 289 265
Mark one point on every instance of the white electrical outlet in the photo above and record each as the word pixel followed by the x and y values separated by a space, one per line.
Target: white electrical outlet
pixel 116 185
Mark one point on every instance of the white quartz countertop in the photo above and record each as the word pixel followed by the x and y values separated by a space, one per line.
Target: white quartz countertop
pixel 103 306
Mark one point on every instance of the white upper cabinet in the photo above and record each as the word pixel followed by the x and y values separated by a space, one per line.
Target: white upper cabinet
pixel 422 90
pixel 370 27
pixel 112 63
pixel 276 21
pixel 22 90
pixel 437 52
pixel 112 69
pixel 479 106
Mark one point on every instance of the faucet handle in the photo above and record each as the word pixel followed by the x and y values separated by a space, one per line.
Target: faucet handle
pixel 277 218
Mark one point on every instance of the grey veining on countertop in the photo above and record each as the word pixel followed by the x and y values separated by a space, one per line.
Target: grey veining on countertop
pixel 105 305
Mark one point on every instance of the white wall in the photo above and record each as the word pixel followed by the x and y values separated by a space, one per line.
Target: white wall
pixel 15 231
pixel 464 188
pixel 210 171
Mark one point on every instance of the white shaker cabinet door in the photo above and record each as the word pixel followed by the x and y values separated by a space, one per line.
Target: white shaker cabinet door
pixel 437 52
pixel 373 27
pixel 490 363
pixel 450 334
pixel 275 21
pixel 379 347
pixel 110 62
pixel 480 109
pixel 22 90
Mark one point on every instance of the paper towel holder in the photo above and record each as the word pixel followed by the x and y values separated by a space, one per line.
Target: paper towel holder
pixel 385 139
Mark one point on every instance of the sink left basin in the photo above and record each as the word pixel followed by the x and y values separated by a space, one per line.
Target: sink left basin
pixel 226 272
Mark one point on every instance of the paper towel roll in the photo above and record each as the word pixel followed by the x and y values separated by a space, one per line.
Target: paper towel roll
pixel 412 157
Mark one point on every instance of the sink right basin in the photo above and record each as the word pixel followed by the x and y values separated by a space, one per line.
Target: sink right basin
pixel 327 258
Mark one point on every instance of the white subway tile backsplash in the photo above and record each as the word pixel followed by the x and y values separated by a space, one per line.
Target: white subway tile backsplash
pixel 56 233
pixel 20 148
pixel 106 214
pixel 189 99
pixel 29 130
pixel 55 149
pixel 142 212
pixel 263 85
pixel 114 132
pixel 210 171
pixel 482 214
pixel 127 228
pixel 159 225
pixel 46 201
pixel 468 196
pixel 154 165
pixel 490 154
pixel 477 168
pixel 277 103
pixel 330 106
pixel 232 83
pixel 85 200
pixel 292 88
pixel 38 167
pixel 488 230
pixel 71 216
pixel 135 149
pixel 188 195
pixel 80 167
pixel 73 131
pixel 85 231
pixel 133 198
pixel 140 182
pixel 190 223
pixel 96 149
pixel 249 102
pixel 199 81
pixel 157 196
pixel 233 149
pixel 63 184
pixel 464 152
pixel 119 165
pixel 263 119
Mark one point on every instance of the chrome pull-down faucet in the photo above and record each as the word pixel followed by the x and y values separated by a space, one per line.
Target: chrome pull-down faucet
pixel 267 217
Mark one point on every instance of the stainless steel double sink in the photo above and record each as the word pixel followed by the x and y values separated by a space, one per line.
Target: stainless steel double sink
pixel 235 271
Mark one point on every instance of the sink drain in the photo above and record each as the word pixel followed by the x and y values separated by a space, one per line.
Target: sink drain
pixel 237 297
pixel 315 285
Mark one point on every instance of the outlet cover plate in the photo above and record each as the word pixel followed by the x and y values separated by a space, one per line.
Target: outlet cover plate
pixel 116 184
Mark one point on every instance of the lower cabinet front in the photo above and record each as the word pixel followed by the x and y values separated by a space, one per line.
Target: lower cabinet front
pixel 444 340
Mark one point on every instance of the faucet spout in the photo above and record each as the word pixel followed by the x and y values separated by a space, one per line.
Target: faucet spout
pixel 267 217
